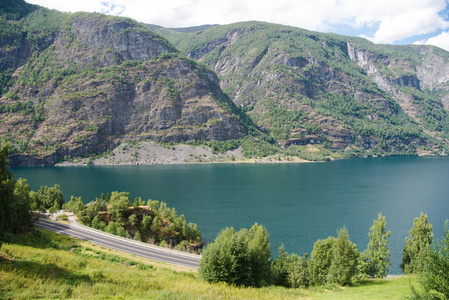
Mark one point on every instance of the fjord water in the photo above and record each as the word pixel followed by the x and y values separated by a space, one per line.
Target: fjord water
pixel 297 203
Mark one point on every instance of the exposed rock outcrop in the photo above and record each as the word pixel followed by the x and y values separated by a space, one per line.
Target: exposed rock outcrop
pixel 98 81
pixel 362 87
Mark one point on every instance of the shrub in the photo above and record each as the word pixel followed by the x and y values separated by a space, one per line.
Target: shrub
pixel 240 258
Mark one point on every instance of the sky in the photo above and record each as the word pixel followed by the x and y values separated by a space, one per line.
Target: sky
pixel 395 22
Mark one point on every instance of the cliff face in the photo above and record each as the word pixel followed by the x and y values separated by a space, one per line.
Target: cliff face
pixel 338 91
pixel 87 82
pixel 80 84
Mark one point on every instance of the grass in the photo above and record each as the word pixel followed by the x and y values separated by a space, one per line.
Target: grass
pixel 392 288
pixel 42 264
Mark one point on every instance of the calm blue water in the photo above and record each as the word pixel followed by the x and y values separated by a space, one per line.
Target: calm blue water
pixel 297 203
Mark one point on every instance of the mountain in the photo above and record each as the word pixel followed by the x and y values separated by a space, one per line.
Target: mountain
pixel 344 93
pixel 78 84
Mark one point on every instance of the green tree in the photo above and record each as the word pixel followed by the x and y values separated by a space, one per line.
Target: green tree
pixel 298 274
pixel 49 195
pixel 260 253
pixel 240 272
pixel 216 261
pixel 238 257
pixel 76 205
pixel 281 268
pixel 91 211
pixel 193 232
pixel 153 205
pixel 434 277
pixel 376 258
pixel 320 261
pixel 35 203
pixel 155 224
pixel 15 215
pixel 6 191
pixel 120 231
pixel 145 225
pixel 118 203
pixel 21 206
pixel 97 223
pixel 137 237
pixel 133 219
pixel 420 239
pixel 137 202
pixel 345 259
pixel 111 228
pixel 56 206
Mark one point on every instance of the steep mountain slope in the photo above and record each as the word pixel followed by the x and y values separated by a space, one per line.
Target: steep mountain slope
pixel 344 93
pixel 79 84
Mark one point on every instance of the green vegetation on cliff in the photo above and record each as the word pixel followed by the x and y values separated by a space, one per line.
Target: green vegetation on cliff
pixel 341 92
pixel 155 223
pixel 84 83
pixel 280 90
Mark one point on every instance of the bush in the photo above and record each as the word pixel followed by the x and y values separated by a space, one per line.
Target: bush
pixel 290 270
pixel 241 258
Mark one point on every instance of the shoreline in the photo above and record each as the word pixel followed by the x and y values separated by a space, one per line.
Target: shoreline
pixel 150 153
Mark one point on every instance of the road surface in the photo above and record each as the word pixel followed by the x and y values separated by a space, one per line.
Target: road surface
pixel 122 244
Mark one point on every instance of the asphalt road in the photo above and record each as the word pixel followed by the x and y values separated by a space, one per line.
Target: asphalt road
pixel 141 249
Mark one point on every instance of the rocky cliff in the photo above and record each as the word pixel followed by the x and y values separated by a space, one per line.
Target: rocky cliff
pixel 81 84
pixel 307 87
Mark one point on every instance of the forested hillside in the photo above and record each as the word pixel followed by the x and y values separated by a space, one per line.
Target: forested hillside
pixel 306 87
pixel 80 84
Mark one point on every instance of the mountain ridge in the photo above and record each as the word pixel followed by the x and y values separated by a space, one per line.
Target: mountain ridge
pixel 368 80
pixel 81 84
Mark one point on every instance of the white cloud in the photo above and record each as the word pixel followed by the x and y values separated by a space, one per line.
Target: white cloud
pixel 112 9
pixel 441 40
pixel 409 23
pixel 393 19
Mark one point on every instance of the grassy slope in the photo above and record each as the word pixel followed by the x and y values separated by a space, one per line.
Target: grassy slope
pixel 33 267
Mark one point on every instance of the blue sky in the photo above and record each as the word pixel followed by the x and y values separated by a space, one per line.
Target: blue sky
pixel 381 21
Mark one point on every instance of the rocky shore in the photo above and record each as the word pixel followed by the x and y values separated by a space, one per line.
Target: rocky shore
pixel 150 153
